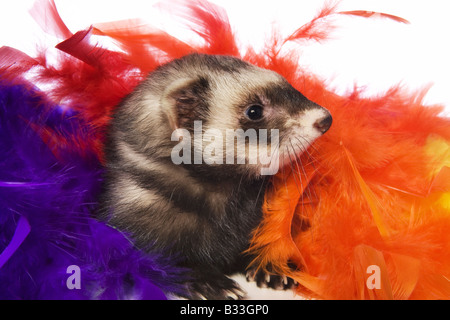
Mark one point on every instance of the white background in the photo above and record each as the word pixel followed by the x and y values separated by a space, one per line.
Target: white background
pixel 375 53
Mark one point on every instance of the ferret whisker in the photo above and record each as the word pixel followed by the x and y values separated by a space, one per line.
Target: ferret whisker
pixel 306 149
pixel 299 187
pixel 310 146
pixel 306 188
pixel 273 154
pixel 310 156
pixel 309 189
pixel 295 155
pixel 312 189
pixel 240 182
pixel 303 188
pixel 276 152
pixel 260 191
pixel 285 184
pixel 171 194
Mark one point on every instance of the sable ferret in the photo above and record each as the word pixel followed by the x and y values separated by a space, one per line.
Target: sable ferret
pixel 204 213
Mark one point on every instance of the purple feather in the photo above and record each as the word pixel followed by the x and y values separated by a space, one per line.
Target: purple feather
pixel 46 214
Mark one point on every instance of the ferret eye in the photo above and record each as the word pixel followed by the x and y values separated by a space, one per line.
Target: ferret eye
pixel 254 112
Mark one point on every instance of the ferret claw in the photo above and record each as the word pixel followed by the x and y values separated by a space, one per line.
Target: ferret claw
pixel 268 280
pixel 267 277
pixel 236 294
pixel 285 280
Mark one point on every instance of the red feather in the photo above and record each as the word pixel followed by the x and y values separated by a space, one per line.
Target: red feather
pixel 209 21
pixel 372 14
pixel 145 47
pixel 317 29
pixel 46 15
pixel 15 63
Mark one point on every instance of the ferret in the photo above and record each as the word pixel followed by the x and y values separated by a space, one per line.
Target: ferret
pixel 202 212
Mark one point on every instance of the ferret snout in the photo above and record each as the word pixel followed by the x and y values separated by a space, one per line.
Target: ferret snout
pixel 324 124
pixel 314 121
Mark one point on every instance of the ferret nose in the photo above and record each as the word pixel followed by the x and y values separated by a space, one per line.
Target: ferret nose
pixel 324 124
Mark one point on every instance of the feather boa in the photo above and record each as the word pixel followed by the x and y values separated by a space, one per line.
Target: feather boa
pixel 378 200
pixel 49 181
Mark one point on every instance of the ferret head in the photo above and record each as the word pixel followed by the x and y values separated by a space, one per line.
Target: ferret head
pixel 227 115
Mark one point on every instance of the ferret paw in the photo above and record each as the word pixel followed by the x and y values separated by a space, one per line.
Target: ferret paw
pixel 235 294
pixel 221 288
pixel 265 279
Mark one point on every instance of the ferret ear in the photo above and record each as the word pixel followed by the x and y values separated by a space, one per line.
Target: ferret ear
pixel 184 101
